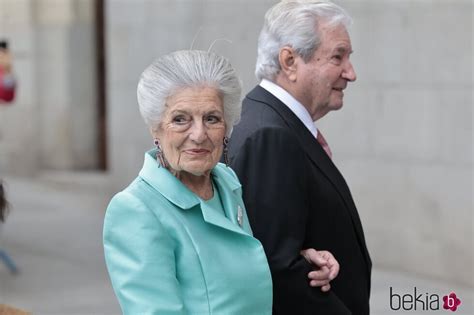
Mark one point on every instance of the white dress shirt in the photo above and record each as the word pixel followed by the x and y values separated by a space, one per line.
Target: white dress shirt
pixel 296 107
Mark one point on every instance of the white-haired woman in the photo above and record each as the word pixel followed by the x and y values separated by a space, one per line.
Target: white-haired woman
pixel 177 240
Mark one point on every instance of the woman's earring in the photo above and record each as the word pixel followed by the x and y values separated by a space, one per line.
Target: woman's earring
pixel 159 154
pixel 226 151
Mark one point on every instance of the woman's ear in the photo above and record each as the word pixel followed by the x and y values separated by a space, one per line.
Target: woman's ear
pixel 288 62
pixel 154 131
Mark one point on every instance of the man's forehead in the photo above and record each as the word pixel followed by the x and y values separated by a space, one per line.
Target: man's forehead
pixel 337 36
pixel 330 30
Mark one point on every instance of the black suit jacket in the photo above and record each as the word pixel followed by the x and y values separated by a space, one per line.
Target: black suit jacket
pixel 296 198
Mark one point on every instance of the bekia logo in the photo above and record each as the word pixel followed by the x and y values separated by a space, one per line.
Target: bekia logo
pixel 423 301
pixel 451 302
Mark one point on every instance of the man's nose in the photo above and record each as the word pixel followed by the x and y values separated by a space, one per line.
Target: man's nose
pixel 349 72
pixel 198 132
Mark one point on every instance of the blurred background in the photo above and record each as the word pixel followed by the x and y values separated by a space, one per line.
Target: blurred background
pixel 73 135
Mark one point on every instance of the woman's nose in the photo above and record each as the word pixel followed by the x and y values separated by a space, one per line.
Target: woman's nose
pixel 198 132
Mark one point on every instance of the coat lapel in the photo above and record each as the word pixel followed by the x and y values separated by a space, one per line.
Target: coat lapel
pixel 166 184
pixel 317 155
pixel 183 198
pixel 228 188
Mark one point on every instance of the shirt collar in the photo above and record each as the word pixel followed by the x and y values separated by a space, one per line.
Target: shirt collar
pixel 296 107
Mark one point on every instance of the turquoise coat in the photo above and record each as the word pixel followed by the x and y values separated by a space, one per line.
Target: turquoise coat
pixel 168 253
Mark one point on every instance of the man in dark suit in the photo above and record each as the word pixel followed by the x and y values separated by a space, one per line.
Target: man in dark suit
pixel 295 196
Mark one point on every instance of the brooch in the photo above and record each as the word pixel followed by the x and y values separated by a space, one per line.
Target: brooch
pixel 240 216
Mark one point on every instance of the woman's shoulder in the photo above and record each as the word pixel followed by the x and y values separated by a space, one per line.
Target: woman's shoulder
pixel 136 197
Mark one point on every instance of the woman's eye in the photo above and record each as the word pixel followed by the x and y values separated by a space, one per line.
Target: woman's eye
pixel 212 119
pixel 180 119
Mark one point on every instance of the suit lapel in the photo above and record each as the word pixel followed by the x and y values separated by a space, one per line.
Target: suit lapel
pixel 311 146
pixel 317 155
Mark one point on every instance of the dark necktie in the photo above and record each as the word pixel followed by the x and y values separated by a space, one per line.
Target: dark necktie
pixel 324 144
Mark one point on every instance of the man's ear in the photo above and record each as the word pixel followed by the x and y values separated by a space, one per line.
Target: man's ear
pixel 288 62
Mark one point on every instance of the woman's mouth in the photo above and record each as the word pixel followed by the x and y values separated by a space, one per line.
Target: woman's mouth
pixel 197 151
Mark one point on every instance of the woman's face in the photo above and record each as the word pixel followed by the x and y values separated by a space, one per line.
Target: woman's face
pixel 192 130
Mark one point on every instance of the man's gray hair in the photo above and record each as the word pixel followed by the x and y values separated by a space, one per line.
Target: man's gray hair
pixel 184 69
pixel 294 23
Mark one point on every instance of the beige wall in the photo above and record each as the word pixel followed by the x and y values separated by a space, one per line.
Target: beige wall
pixel 18 122
pixel 52 123
pixel 403 139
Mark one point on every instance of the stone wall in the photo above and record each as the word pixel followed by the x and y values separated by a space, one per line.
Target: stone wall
pixel 18 121
pixel 52 123
pixel 403 139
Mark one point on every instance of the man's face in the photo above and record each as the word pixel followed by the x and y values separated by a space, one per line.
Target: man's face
pixel 320 81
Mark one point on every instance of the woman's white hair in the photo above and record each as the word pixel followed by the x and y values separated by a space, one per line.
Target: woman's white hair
pixel 294 23
pixel 184 69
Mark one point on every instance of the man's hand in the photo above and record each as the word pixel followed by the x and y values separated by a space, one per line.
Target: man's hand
pixel 326 268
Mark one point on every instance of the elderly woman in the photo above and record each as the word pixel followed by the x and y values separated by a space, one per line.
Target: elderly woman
pixel 177 240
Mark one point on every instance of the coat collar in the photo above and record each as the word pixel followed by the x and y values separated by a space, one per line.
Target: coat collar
pixel 177 193
pixel 164 182
pixel 173 189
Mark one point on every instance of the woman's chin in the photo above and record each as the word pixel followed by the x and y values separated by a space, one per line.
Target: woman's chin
pixel 197 170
